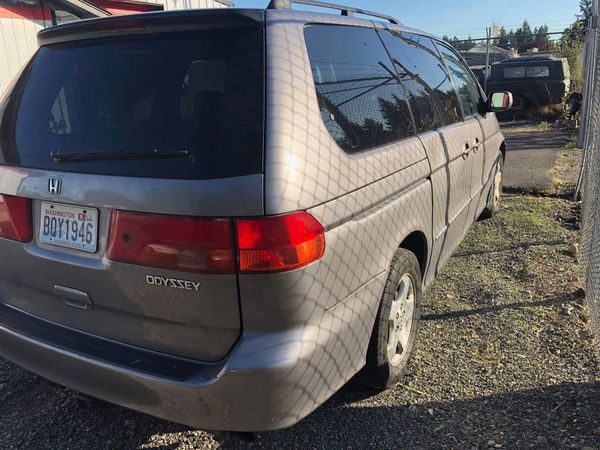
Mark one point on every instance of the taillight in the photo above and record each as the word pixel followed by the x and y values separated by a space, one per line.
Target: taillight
pixel 172 242
pixel 15 218
pixel 279 243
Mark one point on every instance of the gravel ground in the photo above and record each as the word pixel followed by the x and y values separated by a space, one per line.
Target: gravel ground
pixel 505 360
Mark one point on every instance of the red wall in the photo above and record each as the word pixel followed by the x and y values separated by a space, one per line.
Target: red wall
pixel 114 7
pixel 119 7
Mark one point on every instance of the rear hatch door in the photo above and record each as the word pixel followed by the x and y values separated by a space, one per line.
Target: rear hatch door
pixel 136 140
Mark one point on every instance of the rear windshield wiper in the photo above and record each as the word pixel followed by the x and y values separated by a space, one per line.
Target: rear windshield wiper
pixel 125 154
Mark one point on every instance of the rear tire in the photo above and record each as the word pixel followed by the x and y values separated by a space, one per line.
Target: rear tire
pixel 520 108
pixel 396 325
pixel 494 196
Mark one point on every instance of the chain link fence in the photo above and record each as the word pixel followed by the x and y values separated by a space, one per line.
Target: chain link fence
pixel 558 81
pixel 590 184
pixel 544 72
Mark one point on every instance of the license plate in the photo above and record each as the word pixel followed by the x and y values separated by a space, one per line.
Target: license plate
pixel 69 226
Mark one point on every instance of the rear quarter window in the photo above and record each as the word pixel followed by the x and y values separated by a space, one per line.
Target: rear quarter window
pixel 198 92
pixel 360 98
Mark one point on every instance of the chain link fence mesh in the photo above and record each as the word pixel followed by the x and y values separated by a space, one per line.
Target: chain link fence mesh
pixel 590 234
pixel 542 74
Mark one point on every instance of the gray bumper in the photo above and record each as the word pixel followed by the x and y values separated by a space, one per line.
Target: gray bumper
pixel 243 396
pixel 269 381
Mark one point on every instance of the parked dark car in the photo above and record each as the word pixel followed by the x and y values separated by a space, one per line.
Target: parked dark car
pixel 534 81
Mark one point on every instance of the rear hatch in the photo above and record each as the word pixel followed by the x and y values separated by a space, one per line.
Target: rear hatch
pixel 126 146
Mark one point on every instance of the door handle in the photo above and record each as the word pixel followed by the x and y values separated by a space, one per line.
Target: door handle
pixel 466 150
pixel 476 145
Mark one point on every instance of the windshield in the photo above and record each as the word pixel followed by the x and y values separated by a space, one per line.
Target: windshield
pixel 198 94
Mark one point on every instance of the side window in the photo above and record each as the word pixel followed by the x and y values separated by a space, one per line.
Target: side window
pixel 538 72
pixel 464 81
pixel 431 94
pixel 361 100
pixel 514 72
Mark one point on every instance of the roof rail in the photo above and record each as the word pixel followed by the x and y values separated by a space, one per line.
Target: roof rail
pixel 346 10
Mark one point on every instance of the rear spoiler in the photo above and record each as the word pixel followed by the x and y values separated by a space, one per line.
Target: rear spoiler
pixel 152 22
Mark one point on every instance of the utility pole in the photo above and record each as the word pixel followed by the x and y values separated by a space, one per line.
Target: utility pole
pixel 488 32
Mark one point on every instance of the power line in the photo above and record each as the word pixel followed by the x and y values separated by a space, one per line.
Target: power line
pixel 555 23
pixel 517 36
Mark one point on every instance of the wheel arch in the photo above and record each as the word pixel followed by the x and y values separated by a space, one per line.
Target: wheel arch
pixel 416 242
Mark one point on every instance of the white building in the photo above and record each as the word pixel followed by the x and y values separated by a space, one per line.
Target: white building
pixel 20 20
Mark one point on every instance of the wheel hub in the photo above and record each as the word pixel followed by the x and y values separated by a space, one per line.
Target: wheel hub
pixel 401 319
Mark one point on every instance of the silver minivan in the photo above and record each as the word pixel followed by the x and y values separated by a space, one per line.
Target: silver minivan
pixel 219 217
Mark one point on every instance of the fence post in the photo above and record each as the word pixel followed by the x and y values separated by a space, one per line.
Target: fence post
pixel 591 53
pixel 488 32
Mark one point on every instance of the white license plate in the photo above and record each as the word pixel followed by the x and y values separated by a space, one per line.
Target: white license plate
pixel 69 226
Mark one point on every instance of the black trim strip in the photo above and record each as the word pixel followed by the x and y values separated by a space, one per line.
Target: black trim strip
pixel 105 350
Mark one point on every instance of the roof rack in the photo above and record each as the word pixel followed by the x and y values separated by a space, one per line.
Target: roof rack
pixel 345 10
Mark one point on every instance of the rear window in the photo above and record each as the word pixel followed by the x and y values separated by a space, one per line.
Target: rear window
pixel 197 97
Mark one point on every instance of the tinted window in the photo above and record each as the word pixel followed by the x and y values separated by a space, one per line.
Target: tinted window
pixel 515 72
pixel 431 95
pixel 527 72
pixel 361 101
pixel 200 93
pixel 464 81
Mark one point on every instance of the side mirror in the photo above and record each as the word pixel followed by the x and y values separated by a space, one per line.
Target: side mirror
pixel 500 101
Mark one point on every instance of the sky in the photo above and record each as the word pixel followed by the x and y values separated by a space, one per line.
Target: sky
pixel 463 17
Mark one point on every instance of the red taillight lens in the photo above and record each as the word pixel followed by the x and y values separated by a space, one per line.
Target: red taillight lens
pixel 279 243
pixel 171 242
pixel 15 218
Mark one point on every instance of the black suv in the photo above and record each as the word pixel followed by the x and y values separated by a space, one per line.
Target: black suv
pixel 534 81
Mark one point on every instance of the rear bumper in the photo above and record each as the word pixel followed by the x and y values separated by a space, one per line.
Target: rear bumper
pixel 235 396
pixel 269 381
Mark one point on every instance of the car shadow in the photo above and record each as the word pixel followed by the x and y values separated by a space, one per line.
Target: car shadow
pixel 558 416
pixel 562 415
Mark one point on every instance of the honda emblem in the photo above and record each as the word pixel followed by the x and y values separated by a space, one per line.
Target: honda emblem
pixel 54 186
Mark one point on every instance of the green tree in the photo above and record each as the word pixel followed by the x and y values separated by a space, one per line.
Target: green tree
pixel 503 40
pixel 570 46
pixel 524 37
pixel 512 40
pixel 541 39
pixel 585 7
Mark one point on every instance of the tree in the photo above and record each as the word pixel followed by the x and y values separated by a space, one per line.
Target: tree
pixel 524 37
pixel 503 40
pixel 573 34
pixel 541 40
pixel 570 46
pixel 585 7
pixel 454 41
pixel 512 40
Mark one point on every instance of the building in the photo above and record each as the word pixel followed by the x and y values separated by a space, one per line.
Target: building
pixel 476 56
pixel 20 20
